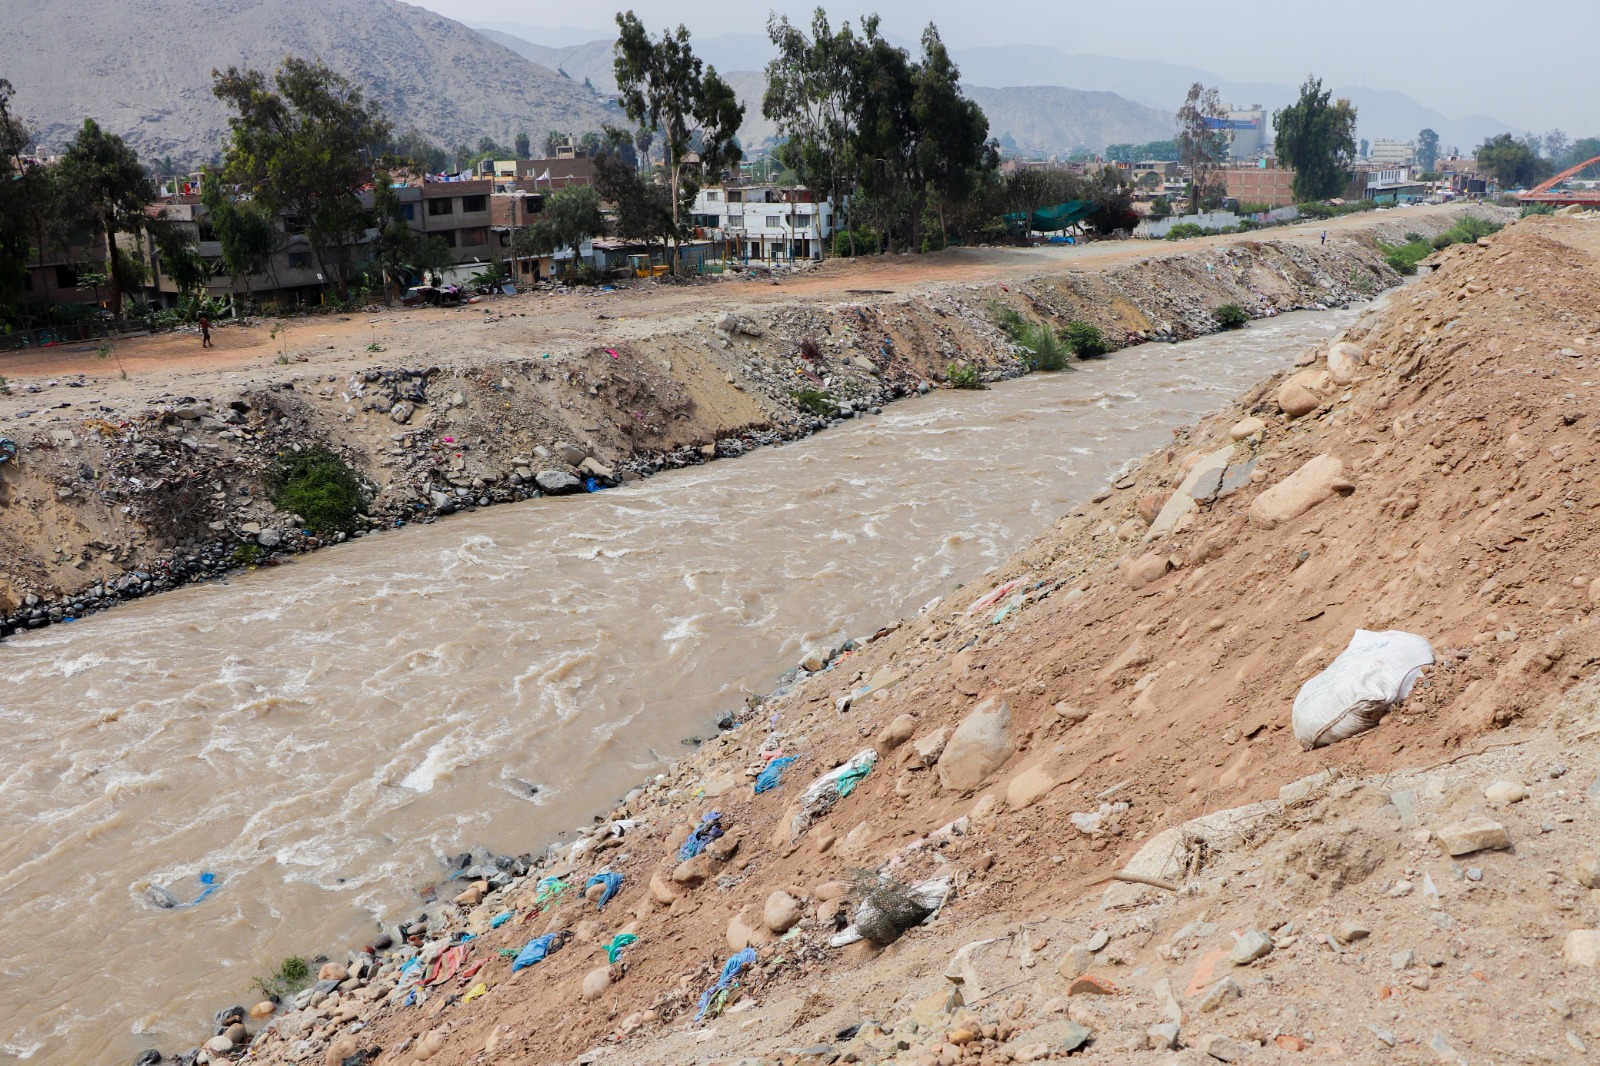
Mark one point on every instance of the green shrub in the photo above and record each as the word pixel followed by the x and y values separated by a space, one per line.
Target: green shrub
pixel 320 487
pixel 292 975
pixel 1184 230
pixel 1045 350
pixel 1231 316
pixel 1469 228
pixel 964 376
pixel 1538 209
pixel 1085 339
pixel 1442 241
pixel 247 554
pixel 1403 258
pixel 1009 320
pixel 815 402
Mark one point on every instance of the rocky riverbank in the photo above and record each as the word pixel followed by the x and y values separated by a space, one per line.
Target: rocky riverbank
pixel 1065 813
pixel 109 499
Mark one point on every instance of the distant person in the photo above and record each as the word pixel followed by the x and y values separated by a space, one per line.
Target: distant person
pixel 1324 236
pixel 205 332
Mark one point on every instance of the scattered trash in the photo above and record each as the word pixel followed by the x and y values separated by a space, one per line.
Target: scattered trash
pixel 890 908
pixel 8 450
pixel 1358 688
pixel 709 829
pixel 548 889
pixel 714 998
pixel 620 941
pixel 477 990
pixel 825 791
pixel 500 919
pixel 770 778
pixel 611 881
pixel 996 596
pixel 537 950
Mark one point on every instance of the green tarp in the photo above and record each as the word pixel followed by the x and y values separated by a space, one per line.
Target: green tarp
pixel 1048 219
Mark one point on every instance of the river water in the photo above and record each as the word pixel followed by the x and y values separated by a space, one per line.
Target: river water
pixel 319 734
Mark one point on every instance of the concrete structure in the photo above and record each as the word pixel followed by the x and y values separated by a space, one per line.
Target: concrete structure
pixel 1393 185
pixel 1272 185
pixel 548 174
pixel 768 222
pixel 1246 128
pixel 1386 153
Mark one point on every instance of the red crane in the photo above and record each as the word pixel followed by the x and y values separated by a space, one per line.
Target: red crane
pixel 1546 192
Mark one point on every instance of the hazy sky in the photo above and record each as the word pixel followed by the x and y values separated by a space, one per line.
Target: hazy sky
pixel 1526 67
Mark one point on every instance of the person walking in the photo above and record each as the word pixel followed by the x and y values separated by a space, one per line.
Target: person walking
pixel 1324 236
pixel 205 332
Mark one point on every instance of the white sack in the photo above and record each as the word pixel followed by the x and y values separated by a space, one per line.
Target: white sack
pixel 1357 689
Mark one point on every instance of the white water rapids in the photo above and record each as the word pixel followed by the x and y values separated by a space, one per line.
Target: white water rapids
pixel 319 734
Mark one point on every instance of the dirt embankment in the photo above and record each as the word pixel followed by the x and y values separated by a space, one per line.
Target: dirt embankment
pixel 1117 699
pixel 126 486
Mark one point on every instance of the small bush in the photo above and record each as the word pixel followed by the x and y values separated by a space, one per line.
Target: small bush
pixel 1045 350
pixel 292 975
pixel 1231 316
pixel 1085 339
pixel 1403 258
pixel 320 487
pixel 964 376
pixel 1185 230
pixel 1442 241
pixel 247 554
pixel 815 402
pixel 1469 228
pixel 1009 321
pixel 1538 209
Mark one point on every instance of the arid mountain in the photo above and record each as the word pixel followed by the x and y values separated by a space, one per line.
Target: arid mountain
pixel 1035 119
pixel 142 68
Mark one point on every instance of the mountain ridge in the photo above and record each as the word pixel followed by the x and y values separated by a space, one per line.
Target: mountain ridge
pixel 157 95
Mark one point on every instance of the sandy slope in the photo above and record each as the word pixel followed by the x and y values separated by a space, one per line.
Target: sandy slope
pixel 1159 675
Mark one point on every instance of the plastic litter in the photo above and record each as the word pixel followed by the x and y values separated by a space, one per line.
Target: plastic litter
pixel 618 942
pixel 930 894
pixel 996 596
pixel 825 791
pixel 725 983
pixel 709 829
pixel 770 778
pixel 548 889
pixel 500 919
pixel 1358 688
pixel 611 881
pixel 8 450
pixel 477 990
pixel 538 949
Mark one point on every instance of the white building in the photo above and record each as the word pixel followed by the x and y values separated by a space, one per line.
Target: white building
pixel 765 222
pixel 1246 128
pixel 1392 153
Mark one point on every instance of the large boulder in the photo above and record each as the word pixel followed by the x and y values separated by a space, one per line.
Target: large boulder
pixel 557 482
pixel 1302 490
pixel 1301 394
pixel 570 453
pixel 978 747
pixel 1344 361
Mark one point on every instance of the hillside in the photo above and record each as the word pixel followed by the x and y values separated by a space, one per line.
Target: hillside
pixel 143 69
pixel 1052 119
pixel 1383 113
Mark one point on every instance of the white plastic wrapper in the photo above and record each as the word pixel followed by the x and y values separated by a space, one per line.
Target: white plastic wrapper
pixel 1358 688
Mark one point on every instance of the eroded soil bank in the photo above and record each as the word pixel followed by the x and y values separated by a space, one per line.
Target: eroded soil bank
pixel 1120 702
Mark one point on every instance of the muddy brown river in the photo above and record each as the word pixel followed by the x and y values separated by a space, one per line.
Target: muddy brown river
pixel 318 735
